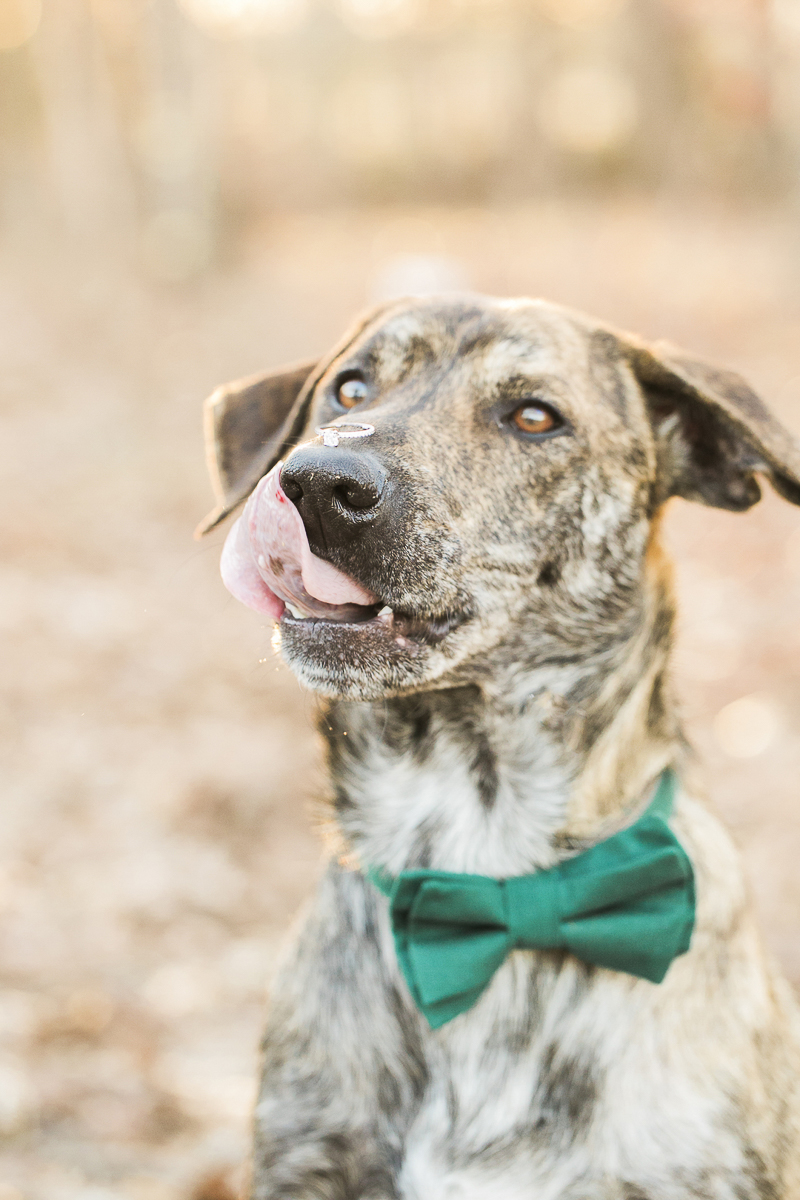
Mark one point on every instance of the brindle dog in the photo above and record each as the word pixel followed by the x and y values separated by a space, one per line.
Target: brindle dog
pixel 513 706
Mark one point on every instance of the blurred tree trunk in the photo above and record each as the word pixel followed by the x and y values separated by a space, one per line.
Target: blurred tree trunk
pixel 89 177
pixel 130 130
pixel 176 139
pixel 784 17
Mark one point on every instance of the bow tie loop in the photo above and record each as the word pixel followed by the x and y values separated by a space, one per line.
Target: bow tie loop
pixel 460 920
pixel 626 904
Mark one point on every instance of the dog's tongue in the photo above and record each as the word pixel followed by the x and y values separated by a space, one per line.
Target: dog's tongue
pixel 267 562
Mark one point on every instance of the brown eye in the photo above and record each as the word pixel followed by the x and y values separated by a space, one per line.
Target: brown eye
pixel 530 418
pixel 351 392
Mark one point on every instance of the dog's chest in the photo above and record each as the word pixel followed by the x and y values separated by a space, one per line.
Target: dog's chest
pixel 459 791
pixel 539 1093
pixel 558 1084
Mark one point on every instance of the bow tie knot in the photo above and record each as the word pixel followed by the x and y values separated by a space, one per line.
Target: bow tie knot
pixel 626 904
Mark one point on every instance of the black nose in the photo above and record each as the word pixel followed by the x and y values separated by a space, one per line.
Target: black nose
pixel 337 492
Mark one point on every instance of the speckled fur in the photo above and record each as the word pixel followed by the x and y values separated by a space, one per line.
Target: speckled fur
pixel 532 726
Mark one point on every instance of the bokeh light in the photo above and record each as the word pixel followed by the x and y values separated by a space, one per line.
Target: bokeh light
pixel 240 18
pixel 418 275
pixel 380 18
pixel 747 727
pixel 581 14
pixel 19 20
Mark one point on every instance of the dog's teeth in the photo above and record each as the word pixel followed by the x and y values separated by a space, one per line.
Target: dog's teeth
pixel 262 562
pixel 296 613
pixel 386 611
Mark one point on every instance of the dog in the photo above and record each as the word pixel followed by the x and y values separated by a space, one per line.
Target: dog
pixel 454 520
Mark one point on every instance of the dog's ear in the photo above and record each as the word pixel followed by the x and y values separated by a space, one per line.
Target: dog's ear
pixel 713 432
pixel 247 424
pixel 252 423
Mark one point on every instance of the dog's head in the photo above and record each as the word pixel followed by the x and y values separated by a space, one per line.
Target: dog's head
pixel 499 501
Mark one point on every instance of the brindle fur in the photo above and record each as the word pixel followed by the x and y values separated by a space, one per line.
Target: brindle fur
pixel 529 721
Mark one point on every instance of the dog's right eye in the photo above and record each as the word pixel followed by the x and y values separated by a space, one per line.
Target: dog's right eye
pixel 534 418
pixel 351 392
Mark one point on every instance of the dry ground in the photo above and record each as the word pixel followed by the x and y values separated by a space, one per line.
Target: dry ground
pixel 159 766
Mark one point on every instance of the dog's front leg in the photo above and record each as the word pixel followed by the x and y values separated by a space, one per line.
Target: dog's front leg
pixel 343 1058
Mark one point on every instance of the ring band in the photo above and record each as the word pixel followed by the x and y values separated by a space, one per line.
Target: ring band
pixel 331 434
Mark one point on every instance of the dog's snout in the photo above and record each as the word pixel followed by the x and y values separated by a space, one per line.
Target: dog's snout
pixel 336 491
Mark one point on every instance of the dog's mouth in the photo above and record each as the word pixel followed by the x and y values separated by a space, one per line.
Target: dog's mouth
pixel 404 628
pixel 268 564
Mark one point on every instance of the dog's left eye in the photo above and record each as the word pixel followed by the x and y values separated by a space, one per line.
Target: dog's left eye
pixel 535 418
pixel 351 392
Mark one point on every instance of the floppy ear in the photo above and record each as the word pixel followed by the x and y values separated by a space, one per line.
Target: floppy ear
pixel 713 433
pixel 247 424
pixel 252 423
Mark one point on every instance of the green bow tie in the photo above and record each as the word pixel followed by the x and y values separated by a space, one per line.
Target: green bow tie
pixel 626 904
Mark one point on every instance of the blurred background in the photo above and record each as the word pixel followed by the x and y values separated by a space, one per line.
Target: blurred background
pixel 193 190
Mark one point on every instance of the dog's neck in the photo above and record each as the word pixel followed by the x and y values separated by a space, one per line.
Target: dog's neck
pixel 507 777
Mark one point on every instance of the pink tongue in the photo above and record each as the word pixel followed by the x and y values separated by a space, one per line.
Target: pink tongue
pixel 267 561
